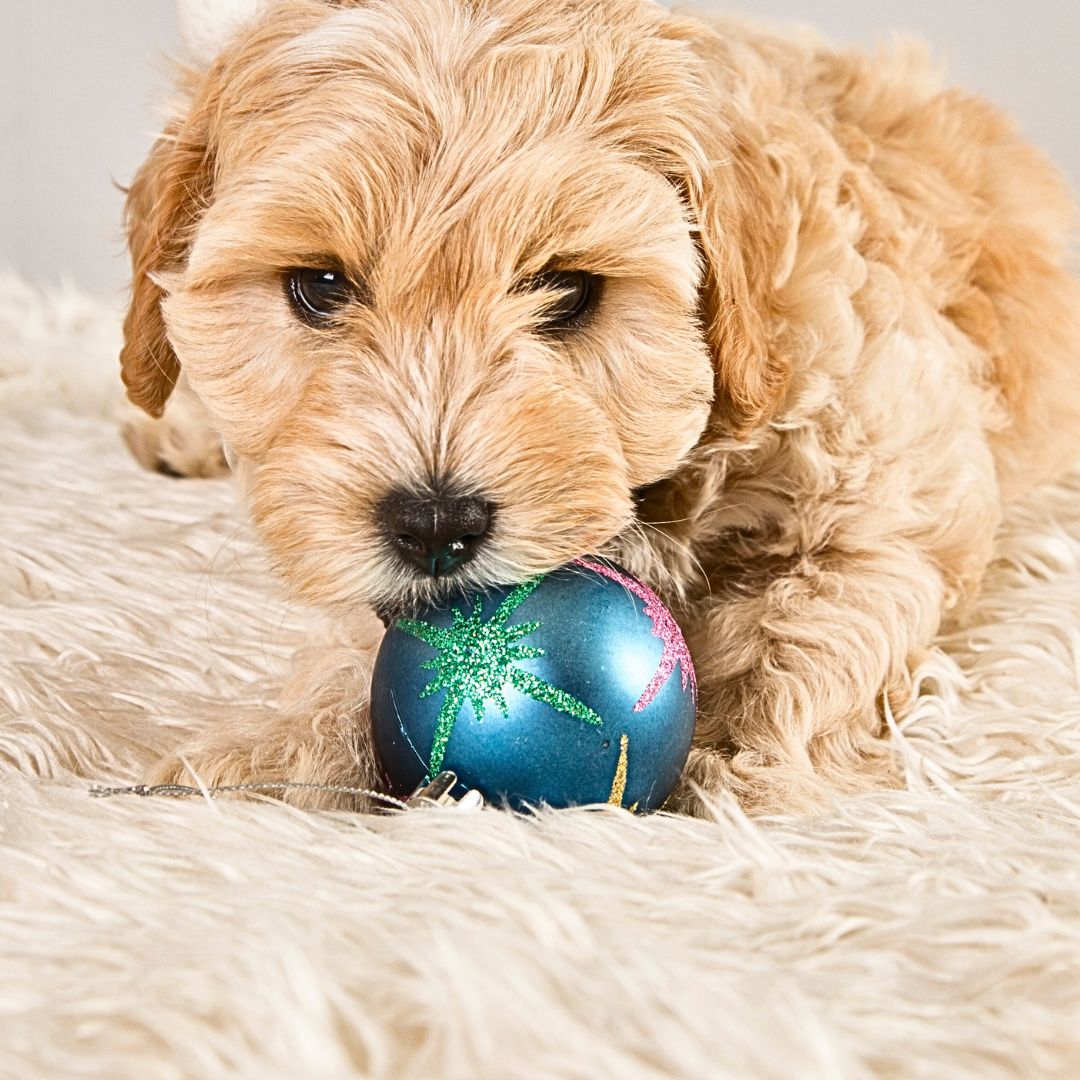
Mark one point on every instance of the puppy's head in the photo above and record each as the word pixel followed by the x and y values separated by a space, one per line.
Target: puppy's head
pixel 432 267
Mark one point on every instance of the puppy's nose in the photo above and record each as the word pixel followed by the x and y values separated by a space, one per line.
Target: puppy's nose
pixel 435 533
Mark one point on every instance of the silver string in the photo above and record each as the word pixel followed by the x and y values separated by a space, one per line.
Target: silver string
pixel 178 791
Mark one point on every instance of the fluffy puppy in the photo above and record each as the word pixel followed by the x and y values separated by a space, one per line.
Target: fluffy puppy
pixel 775 326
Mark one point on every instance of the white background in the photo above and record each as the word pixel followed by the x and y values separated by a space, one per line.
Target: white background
pixel 80 81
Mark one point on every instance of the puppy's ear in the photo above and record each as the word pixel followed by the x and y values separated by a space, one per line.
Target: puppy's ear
pixel 732 199
pixel 695 131
pixel 163 205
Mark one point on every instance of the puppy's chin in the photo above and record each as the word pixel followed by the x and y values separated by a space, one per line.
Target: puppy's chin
pixel 401 591
pixel 424 592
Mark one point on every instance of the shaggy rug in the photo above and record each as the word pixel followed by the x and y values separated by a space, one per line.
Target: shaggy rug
pixel 928 932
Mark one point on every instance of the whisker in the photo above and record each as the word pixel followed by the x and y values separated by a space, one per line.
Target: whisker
pixel 700 517
pixel 685 548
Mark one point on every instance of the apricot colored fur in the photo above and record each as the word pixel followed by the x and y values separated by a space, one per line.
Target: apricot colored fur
pixel 836 331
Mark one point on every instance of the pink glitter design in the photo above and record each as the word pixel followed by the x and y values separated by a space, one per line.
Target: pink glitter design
pixel 664 627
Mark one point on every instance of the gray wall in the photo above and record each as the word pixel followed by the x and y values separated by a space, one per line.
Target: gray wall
pixel 79 83
pixel 79 80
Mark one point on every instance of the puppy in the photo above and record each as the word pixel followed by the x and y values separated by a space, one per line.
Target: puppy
pixel 471 287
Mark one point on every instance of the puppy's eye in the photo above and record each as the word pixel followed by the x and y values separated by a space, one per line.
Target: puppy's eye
pixel 317 295
pixel 575 294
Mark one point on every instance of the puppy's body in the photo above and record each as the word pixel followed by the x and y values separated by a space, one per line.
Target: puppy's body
pixel 834 333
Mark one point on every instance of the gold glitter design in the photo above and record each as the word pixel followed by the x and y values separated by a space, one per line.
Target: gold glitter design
pixel 618 785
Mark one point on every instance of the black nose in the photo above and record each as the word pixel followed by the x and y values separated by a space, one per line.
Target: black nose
pixel 435 533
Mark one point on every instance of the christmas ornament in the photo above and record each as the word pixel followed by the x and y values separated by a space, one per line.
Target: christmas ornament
pixel 571 688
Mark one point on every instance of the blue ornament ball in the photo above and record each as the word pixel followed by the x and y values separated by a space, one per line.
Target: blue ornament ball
pixel 568 689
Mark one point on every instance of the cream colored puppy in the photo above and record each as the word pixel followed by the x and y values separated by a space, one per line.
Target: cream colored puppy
pixel 471 287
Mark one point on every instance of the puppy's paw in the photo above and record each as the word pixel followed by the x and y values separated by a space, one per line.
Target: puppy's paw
pixel 207 768
pixel 707 773
pixel 762 783
pixel 180 443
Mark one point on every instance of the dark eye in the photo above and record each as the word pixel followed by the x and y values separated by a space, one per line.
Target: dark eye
pixel 317 295
pixel 574 294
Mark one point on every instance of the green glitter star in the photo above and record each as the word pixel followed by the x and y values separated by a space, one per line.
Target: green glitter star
pixel 477 660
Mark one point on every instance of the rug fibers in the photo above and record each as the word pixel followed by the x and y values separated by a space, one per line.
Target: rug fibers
pixel 928 932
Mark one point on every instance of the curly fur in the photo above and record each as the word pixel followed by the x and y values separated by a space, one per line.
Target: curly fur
pixel 836 333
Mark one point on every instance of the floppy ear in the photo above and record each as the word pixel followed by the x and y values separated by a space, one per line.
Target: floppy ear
pixel 733 201
pixel 702 133
pixel 163 205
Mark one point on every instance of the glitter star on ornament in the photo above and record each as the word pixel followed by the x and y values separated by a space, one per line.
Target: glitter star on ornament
pixel 477 660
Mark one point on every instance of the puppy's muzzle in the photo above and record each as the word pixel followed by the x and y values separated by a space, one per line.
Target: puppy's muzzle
pixel 435 533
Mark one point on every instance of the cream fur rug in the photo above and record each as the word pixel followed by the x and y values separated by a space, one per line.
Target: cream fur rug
pixel 933 932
